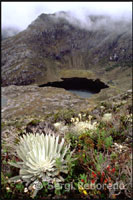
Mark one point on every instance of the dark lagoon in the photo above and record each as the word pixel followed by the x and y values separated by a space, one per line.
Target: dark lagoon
pixel 82 87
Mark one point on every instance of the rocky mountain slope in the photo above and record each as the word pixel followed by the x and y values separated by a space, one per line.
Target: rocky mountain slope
pixel 53 43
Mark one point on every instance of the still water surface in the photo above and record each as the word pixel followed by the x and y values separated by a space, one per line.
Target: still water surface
pixel 82 93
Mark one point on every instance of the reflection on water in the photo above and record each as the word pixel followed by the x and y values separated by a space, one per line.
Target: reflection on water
pixel 82 93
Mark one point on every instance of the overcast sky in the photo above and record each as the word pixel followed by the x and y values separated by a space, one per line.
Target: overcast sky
pixel 21 14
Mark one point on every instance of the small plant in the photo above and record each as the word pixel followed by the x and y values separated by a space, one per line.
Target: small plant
pixel 20 187
pixel 108 142
pixel 104 141
pixel 43 159
pixel 100 160
pixel 34 122
pixel 83 178
pixel 63 115
pixel 71 139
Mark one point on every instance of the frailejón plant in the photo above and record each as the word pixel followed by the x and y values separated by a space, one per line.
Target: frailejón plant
pixel 40 155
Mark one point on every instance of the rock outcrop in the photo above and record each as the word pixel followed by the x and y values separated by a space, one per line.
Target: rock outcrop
pixel 21 101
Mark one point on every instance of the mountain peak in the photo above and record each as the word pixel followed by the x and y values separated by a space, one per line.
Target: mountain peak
pixel 55 42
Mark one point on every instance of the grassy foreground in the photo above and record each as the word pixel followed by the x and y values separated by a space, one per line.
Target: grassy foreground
pixel 101 141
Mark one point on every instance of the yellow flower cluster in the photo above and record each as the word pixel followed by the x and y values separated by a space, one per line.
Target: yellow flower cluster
pixel 82 190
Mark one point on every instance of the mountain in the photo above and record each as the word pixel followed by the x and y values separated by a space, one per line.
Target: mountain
pixel 54 43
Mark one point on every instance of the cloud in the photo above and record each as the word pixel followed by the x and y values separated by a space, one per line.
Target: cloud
pixel 21 14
